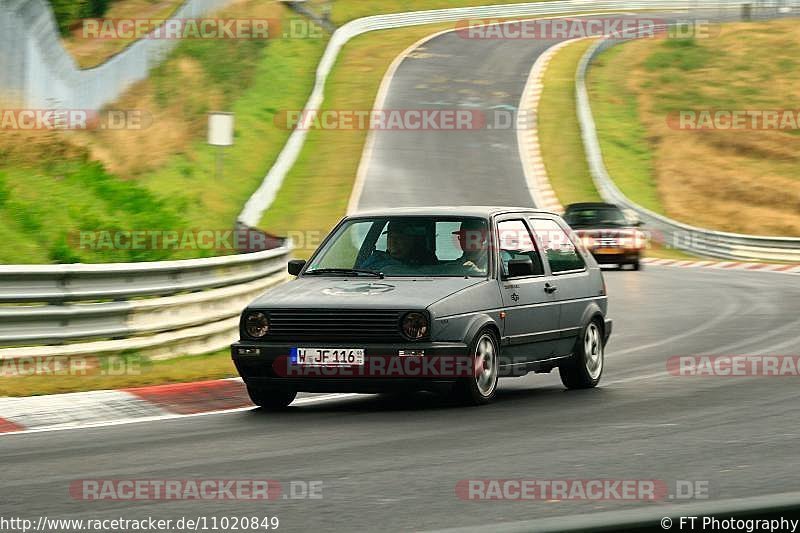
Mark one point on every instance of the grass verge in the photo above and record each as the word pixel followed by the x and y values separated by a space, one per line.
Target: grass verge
pixel 559 131
pixel 346 10
pixel 132 372
pixel 561 142
pixel 623 139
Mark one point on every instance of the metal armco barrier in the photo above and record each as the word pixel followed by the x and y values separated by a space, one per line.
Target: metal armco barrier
pixel 672 233
pixel 159 309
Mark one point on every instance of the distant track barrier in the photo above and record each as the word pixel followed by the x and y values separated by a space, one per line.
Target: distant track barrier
pixel 674 234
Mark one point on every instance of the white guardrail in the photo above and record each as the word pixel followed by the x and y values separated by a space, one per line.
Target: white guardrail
pixel 163 309
pixel 663 229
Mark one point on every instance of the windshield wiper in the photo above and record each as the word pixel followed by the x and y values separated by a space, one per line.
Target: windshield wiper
pixel 346 271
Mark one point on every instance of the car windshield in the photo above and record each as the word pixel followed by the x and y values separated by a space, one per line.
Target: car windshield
pixel 596 216
pixel 406 246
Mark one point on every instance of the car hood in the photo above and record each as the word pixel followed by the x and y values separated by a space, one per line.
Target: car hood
pixel 348 293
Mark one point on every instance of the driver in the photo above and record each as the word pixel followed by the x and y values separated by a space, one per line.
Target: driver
pixel 400 243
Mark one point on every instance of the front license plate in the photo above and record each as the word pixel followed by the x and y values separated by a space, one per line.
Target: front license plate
pixel 608 251
pixel 328 356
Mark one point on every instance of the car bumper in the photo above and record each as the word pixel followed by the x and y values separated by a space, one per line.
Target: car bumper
pixel 616 257
pixel 433 365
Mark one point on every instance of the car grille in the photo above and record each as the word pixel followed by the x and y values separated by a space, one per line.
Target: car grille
pixel 335 324
pixel 606 243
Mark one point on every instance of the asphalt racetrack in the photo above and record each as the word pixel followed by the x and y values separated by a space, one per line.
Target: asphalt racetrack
pixel 392 463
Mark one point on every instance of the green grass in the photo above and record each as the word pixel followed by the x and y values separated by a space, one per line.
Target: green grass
pixel 559 131
pixel 51 189
pixel 41 211
pixel 623 138
pixel 282 80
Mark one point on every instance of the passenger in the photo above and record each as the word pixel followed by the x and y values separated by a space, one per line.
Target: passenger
pixel 473 238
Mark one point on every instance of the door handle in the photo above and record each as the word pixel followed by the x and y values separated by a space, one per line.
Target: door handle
pixel 550 289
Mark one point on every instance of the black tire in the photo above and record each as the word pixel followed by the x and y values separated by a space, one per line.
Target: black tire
pixel 582 372
pixel 481 389
pixel 636 265
pixel 271 399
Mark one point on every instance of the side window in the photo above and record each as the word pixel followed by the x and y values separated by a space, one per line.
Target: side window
pixel 560 250
pixel 516 243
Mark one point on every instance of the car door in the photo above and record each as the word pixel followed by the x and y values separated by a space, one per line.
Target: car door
pixel 531 323
pixel 570 278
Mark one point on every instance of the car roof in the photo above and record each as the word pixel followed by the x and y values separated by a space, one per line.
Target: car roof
pixel 464 210
pixel 590 205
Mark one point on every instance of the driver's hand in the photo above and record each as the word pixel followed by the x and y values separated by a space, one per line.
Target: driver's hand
pixel 472 266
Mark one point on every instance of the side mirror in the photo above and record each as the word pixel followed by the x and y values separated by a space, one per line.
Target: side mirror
pixel 295 266
pixel 519 268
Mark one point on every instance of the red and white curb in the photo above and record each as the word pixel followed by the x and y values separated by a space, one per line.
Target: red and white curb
pixel 726 265
pixel 126 406
pixel 528 134
pixel 97 408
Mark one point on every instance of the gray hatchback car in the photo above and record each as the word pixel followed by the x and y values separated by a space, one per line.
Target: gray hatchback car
pixel 433 298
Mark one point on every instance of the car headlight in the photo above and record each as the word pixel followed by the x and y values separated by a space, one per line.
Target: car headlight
pixel 256 325
pixel 633 241
pixel 415 326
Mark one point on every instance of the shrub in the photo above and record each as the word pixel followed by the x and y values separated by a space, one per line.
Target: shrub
pixel 68 12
